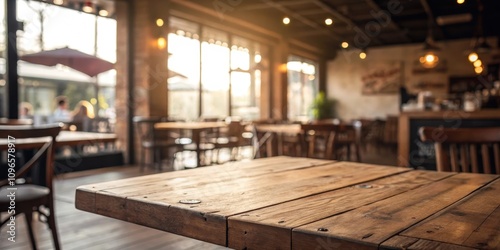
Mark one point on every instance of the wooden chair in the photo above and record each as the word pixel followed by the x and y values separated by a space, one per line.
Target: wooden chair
pixel 457 149
pixel 329 141
pixel 262 143
pixel 30 197
pixel 153 142
pixel 233 137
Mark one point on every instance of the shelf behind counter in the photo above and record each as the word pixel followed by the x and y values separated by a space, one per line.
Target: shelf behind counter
pixel 414 153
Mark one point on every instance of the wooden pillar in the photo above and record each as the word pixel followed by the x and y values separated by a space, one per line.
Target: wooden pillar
pixel 158 58
pixel 142 71
pixel 124 73
pixel 12 87
pixel 279 84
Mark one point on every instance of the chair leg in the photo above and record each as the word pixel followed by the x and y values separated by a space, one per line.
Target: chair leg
pixel 141 160
pixel 29 220
pixel 52 225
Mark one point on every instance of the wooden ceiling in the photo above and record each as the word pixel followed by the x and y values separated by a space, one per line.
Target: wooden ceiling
pixel 366 23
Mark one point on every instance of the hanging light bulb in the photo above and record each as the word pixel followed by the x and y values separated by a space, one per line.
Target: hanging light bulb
pixel 103 12
pixel 286 20
pixel 430 57
pixel 429 60
pixel 87 7
pixel 345 45
pixel 161 42
pixel 478 63
pixel 478 70
pixel 473 57
pixel 362 54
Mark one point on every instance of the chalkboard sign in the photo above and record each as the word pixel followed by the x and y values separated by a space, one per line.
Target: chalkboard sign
pixel 422 154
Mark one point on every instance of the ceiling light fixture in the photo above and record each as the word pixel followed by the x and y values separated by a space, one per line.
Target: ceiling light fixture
pixel 345 45
pixel 87 7
pixel 328 21
pixel 480 44
pixel 286 20
pixel 473 57
pixel 460 1
pixel 103 12
pixel 362 54
pixel 159 22
pixel 430 58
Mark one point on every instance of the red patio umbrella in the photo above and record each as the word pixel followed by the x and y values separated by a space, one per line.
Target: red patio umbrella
pixel 85 63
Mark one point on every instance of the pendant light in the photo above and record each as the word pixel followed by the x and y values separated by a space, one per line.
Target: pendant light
pixel 480 44
pixel 429 57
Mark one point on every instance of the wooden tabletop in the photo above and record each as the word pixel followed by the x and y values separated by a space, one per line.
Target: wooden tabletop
pixel 65 138
pixel 301 203
pixel 189 125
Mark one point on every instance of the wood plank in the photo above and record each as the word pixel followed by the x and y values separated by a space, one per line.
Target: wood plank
pixel 271 227
pixel 161 209
pixel 200 221
pixel 474 158
pixel 85 194
pixel 403 242
pixel 398 242
pixel 486 159
pixel 474 221
pixel 379 221
pixel 264 165
pixel 496 152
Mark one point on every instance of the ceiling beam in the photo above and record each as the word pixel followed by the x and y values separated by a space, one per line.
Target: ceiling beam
pixel 259 6
pixel 302 19
pixel 428 10
pixel 391 24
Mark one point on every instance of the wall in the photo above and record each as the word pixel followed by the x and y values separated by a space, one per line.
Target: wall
pixel 344 76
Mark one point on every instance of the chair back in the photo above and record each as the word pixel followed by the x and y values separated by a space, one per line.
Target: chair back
pixel 474 150
pixel 262 143
pixel 45 150
pixel 323 138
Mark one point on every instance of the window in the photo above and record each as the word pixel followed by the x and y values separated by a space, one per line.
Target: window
pixel 302 87
pixel 217 74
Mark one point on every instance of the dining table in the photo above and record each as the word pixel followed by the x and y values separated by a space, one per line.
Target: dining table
pixel 65 138
pixel 302 203
pixel 196 128
pixel 274 134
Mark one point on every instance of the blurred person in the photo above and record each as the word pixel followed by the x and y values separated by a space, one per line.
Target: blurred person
pixel 61 114
pixel 25 110
pixel 82 115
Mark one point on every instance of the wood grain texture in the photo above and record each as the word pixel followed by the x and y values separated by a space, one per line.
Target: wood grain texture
pixel 379 221
pixel 222 194
pixel 254 229
pixel 301 203
pixel 474 221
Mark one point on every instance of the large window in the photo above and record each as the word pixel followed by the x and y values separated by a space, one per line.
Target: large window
pixel 213 73
pixel 48 27
pixel 302 87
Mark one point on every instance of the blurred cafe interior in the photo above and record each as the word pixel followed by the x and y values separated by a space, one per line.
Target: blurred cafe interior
pixel 180 84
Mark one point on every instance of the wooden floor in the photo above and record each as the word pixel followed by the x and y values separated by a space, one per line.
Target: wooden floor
pixel 82 230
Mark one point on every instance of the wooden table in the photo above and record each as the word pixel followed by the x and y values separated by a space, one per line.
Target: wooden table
pixel 277 131
pixel 65 138
pixel 300 203
pixel 195 127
